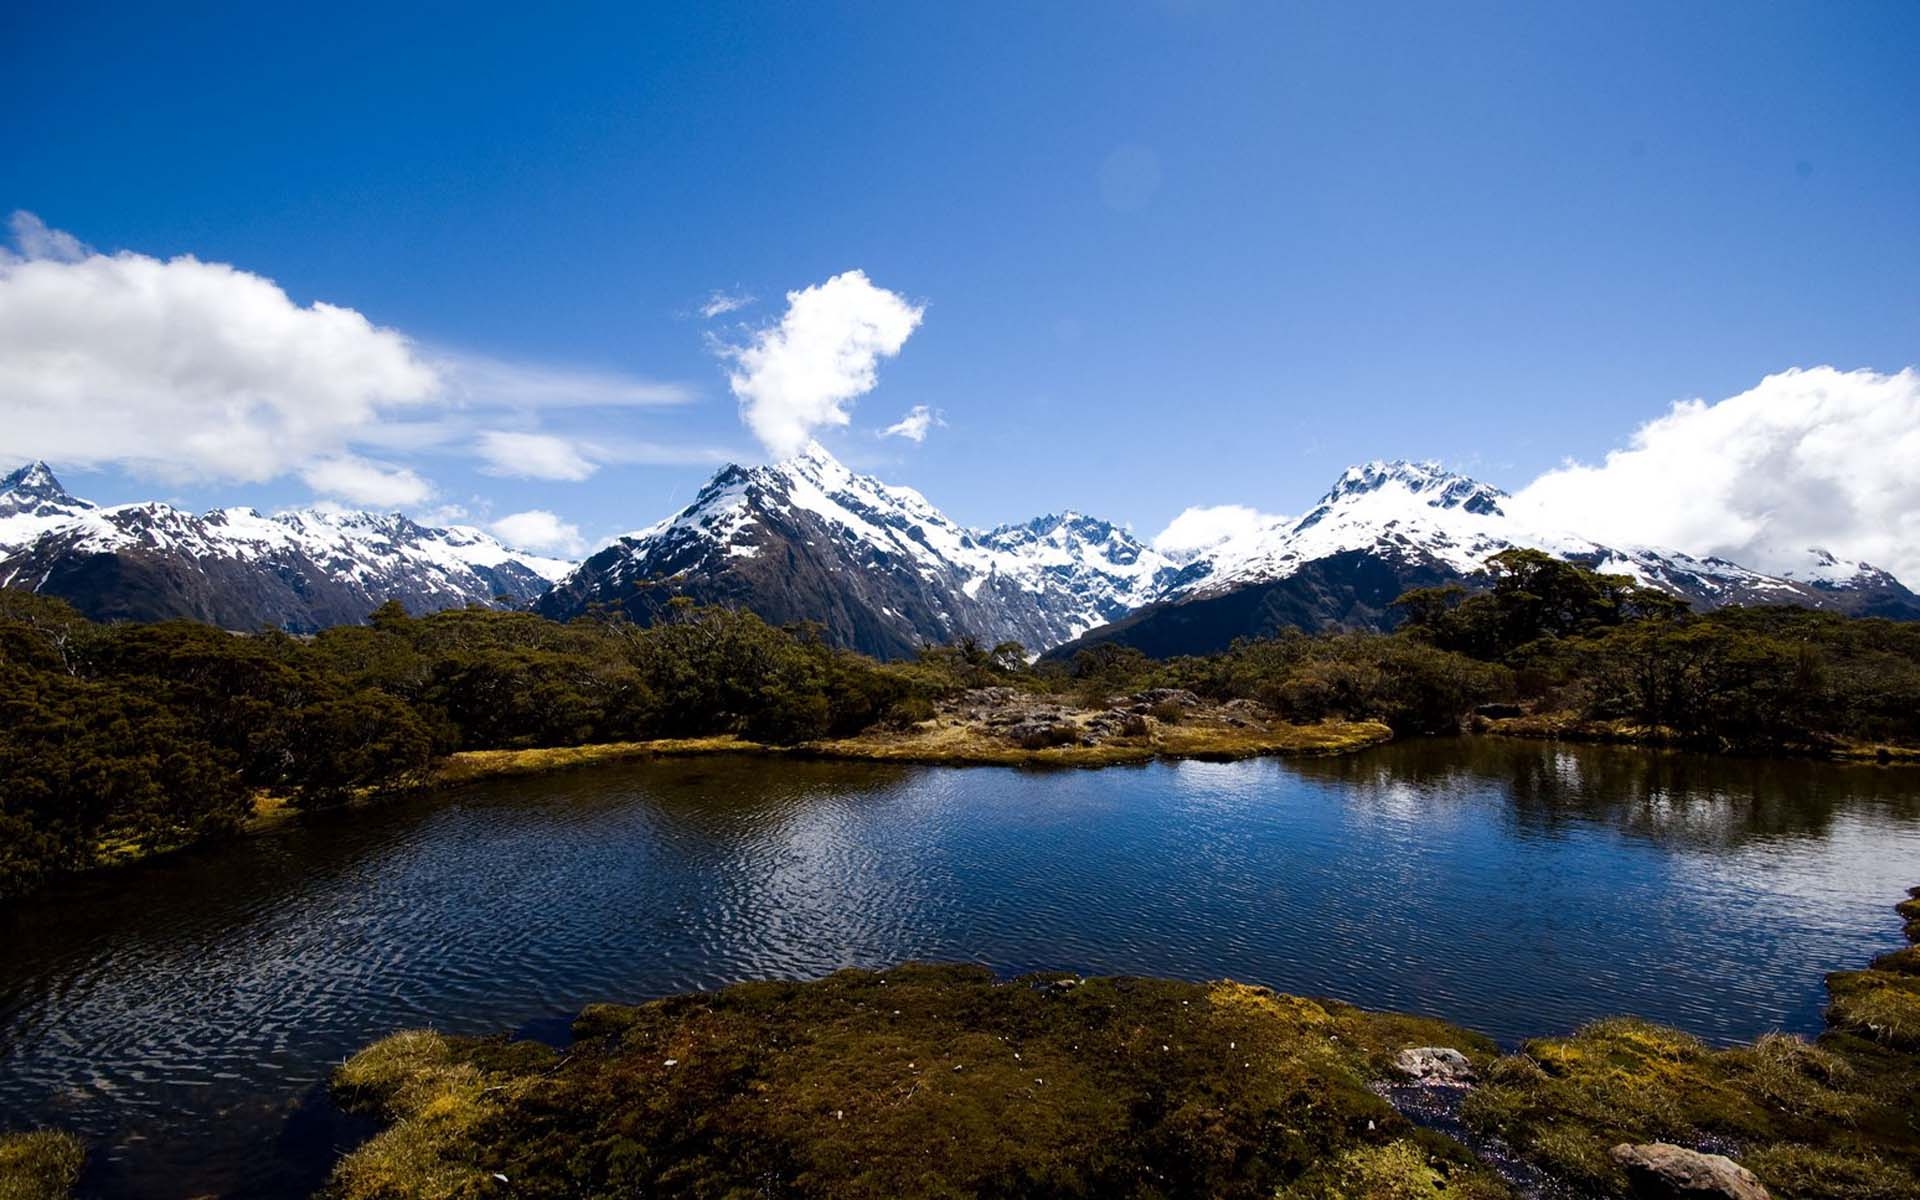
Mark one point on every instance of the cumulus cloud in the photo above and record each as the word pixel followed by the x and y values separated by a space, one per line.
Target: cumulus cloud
pixel 720 302
pixel 533 456
pixel 1204 527
pixel 187 370
pixel 801 374
pixel 1817 457
pixel 540 531
pixel 365 481
pixel 914 425
pixel 184 368
pixel 35 240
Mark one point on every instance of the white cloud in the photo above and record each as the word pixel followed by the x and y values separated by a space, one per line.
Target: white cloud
pixel 1816 457
pixel 35 240
pixel 364 481
pixel 186 371
pixel 720 302
pixel 1207 526
pixel 914 425
pixel 540 531
pixel 533 456
pixel 481 381
pixel 800 375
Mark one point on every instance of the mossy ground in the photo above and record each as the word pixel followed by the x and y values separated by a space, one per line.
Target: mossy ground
pixel 939 1081
pixel 918 1081
pixel 1835 1119
pixel 42 1165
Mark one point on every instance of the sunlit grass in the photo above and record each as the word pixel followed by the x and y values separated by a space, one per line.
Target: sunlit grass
pixel 41 1165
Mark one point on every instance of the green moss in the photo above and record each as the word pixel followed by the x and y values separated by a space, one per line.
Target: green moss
pixel 1804 1171
pixel 1399 1170
pixel 1831 1120
pixel 1904 961
pixel 931 1081
pixel 919 1081
pixel 41 1165
pixel 1884 1005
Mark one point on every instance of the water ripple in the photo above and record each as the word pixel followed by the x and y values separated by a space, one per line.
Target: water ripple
pixel 186 1014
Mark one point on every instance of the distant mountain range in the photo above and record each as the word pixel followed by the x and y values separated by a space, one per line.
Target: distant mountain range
pixel 237 568
pixel 878 567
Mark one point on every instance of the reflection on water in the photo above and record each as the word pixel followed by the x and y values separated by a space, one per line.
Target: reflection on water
pixel 181 1014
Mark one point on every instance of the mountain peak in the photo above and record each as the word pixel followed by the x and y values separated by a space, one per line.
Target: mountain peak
pixel 1432 483
pixel 33 495
pixel 35 480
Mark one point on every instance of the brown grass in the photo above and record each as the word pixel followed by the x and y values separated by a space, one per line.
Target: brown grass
pixel 42 1165
pixel 950 742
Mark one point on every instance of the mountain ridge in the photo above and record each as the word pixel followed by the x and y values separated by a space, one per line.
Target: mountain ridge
pixel 885 571
pixel 876 566
pixel 302 569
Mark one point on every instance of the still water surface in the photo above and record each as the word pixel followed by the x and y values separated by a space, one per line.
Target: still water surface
pixel 184 1015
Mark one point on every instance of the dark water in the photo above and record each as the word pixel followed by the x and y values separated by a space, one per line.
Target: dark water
pixel 184 1016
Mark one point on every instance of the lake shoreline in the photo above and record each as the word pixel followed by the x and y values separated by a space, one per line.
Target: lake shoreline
pixel 961 743
pixel 1173 744
pixel 1055 1079
pixel 1570 727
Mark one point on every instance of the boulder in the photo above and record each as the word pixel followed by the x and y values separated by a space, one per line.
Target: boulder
pixel 1442 1066
pixel 1660 1171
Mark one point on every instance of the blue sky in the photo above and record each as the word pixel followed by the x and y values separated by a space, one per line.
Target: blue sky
pixel 1167 254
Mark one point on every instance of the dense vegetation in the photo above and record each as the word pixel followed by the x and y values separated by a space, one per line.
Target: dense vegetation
pixel 122 739
pixel 930 1081
pixel 1558 639
pixel 116 737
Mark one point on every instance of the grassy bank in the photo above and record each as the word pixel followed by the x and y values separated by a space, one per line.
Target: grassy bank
pixel 1572 727
pixel 927 1081
pixel 41 1165
pixel 950 744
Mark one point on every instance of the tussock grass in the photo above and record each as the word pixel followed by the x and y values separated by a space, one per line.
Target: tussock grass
pixel 919 1081
pixel 1826 1120
pixel 40 1165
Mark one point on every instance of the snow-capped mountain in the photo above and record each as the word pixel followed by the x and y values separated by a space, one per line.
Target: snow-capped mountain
pixel 241 569
pixel 1388 526
pixel 878 566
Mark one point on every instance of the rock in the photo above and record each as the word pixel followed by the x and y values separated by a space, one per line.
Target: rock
pixel 1179 696
pixel 1442 1066
pixel 1038 734
pixel 1660 1171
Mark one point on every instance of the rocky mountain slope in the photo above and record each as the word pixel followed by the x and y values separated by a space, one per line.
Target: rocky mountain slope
pixel 877 566
pixel 880 568
pixel 1389 526
pixel 240 569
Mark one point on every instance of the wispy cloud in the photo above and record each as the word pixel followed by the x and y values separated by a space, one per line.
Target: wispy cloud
pixel 533 456
pixel 914 425
pixel 482 381
pixel 720 302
